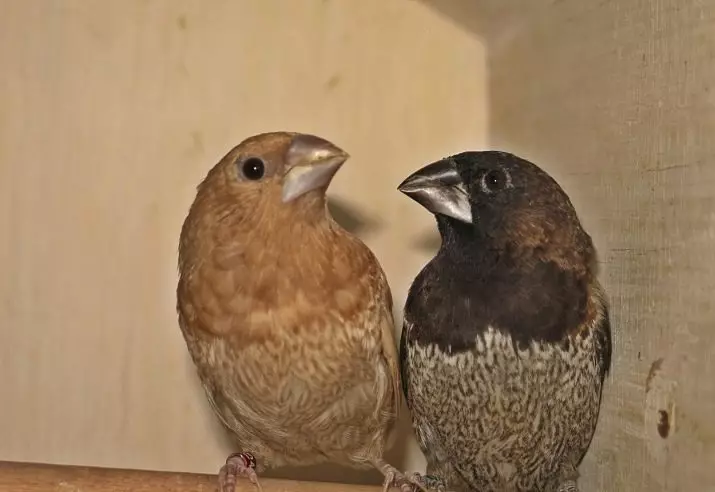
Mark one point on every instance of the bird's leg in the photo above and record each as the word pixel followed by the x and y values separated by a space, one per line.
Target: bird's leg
pixel 569 478
pixel 395 478
pixel 238 465
pixel 568 486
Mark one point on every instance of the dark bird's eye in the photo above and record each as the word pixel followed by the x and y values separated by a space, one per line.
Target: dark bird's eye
pixel 495 180
pixel 253 168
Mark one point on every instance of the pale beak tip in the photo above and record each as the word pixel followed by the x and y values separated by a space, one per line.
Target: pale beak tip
pixel 414 183
pixel 405 187
pixel 307 149
pixel 311 162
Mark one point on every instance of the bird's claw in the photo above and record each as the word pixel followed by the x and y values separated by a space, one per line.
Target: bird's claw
pixel 430 482
pixel 412 482
pixel 238 465
pixel 394 478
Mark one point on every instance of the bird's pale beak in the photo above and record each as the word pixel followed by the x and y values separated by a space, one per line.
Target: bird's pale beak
pixel 312 162
pixel 439 188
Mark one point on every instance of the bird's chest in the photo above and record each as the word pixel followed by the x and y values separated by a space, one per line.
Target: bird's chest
pixel 497 404
pixel 280 397
pixel 258 333
pixel 297 364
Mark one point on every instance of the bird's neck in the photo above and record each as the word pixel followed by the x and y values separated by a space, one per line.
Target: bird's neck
pixel 463 245
pixel 471 252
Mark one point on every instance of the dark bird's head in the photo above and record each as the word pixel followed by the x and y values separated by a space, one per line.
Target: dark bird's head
pixel 495 202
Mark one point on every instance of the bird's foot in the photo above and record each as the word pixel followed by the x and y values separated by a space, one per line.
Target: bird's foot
pixel 395 478
pixel 238 465
pixel 430 482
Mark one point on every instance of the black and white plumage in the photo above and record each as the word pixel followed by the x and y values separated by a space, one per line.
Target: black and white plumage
pixel 506 340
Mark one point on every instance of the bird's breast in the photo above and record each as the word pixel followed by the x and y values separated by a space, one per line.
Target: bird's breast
pixel 292 347
pixel 498 403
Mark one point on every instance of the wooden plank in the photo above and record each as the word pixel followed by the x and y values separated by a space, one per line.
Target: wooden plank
pixel 615 100
pixel 111 112
pixel 39 477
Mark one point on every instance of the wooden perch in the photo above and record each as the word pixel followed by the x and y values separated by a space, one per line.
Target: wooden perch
pixel 36 477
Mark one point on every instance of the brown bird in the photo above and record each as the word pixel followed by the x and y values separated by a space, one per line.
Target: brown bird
pixel 287 316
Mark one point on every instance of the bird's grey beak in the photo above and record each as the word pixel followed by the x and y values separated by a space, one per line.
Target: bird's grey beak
pixel 439 188
pixel 312 162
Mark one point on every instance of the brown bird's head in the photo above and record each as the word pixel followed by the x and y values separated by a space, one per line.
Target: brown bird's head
pixel 270 172
pixel 260 204
pixel 498 201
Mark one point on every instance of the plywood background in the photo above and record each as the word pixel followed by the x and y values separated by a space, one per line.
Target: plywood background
pixel 617 100
pixel 110 114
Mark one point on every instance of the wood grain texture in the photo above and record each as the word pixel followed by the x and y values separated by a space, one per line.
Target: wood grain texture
pixel 110 115
pixel 38 477
pixel 615 99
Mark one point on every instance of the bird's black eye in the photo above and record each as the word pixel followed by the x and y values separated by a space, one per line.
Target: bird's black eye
pixel 495 180
pixel 253 168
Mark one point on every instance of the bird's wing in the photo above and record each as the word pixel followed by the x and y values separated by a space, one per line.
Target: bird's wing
pixel 404 369
pixel 439 461
pixel 604 336
pixel 389 350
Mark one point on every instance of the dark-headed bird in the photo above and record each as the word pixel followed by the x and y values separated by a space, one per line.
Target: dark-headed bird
pixel 506 339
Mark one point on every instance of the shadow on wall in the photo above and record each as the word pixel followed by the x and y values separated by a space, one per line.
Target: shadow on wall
pixel 468 15
pixel 360 224
pixel 352 219
pixel 487 19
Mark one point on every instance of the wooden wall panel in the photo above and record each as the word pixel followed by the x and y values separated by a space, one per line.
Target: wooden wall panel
pixel 615 99
pixel 110 114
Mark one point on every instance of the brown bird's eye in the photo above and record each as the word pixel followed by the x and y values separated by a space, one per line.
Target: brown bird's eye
pixel 495 180
pixel 253 168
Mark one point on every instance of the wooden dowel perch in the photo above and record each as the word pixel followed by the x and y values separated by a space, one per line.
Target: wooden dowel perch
pixel 35 477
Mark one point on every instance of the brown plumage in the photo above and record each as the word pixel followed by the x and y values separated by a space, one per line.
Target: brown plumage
pixel 287 316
